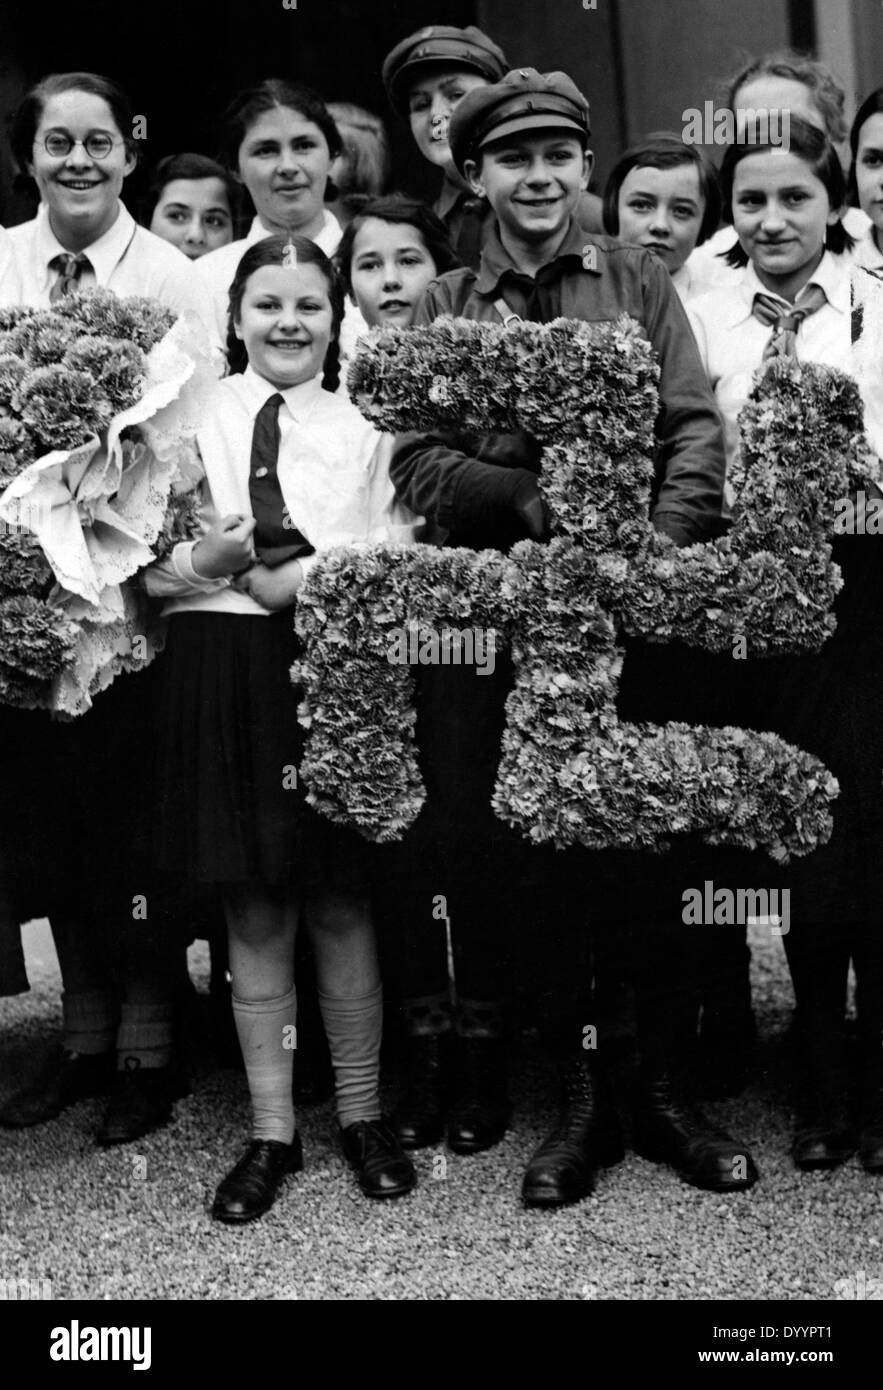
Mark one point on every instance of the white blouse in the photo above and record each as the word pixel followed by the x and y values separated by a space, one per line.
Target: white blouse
pixel 126 259
pixel 708 271
pixel 866 251
pixel 732 341
pixel 333 472
pixel 10 281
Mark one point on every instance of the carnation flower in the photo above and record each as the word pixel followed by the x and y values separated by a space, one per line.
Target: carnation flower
pixel 62 407
pixel 116 367
pixel 23 566
pixel 41 339
pixel 11 315
pixel 36 643
pixel 102 314
pixel 12 370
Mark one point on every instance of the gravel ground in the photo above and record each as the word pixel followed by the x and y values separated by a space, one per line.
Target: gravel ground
pixel 133 1222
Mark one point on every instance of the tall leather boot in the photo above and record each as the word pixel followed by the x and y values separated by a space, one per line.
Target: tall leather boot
pixel 824 1135
pixel 588 1136
pixel 480 1109
pixel 670 1130
pixel 419 1116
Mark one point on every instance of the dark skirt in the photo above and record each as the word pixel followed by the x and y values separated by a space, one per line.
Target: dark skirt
pixel 229 804
pixel 831 705
pixel 75 814
pixel 228 799
pixel 22 738
pixel 827 703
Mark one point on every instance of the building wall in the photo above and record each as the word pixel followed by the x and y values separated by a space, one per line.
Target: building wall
pixel 641 63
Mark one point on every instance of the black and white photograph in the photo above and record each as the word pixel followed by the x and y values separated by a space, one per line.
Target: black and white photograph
pixel 441 667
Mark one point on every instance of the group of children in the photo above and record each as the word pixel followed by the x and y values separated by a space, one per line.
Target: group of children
pixel 292 468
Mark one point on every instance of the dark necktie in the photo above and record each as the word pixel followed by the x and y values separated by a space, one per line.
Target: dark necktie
pixel 69 269
pixel 542 292
pixel 276 538
pixel 785 319
pixel 465 223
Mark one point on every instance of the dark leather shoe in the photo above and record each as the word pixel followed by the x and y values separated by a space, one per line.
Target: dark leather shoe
pixel 669 1131
pixel 480 1110
pixel 66 1078
pixel 380 1163
pixel 419 1117
pixel 824 1136
pixel 588 1136
pixel 141 1101
pixel 871 1140
pixel 250 1188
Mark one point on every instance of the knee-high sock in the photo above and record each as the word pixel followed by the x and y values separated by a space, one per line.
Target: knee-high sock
pixel 354 1028
pixel 90 1020
pixel 268 1053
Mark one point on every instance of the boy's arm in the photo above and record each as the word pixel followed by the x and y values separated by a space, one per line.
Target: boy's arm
pixel 456 491
pixel 690 460
pixel 441 482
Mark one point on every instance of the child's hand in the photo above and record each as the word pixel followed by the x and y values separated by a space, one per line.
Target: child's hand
pixel 272 588
pixel 532 509
pixel 226 549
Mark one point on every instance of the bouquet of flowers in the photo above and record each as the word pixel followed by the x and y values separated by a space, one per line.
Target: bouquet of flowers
pixel 99 401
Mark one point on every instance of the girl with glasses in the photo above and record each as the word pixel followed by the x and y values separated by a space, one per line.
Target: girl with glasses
pixel 74 136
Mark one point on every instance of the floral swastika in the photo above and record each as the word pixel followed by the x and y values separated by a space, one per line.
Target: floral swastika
pixel 571 772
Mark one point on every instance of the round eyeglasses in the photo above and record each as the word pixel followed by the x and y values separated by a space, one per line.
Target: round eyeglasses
pixel 96 145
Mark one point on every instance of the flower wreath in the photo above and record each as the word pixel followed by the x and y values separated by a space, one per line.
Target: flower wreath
pixel 571 772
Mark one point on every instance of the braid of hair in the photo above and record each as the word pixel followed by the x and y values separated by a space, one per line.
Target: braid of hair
pixel 331 372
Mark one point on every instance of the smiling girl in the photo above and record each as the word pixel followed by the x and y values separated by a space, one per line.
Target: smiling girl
pixel 73 135
pixel 785 206
pixel 793 299
pixel 784 82
pixel 289 468
pixel 426 76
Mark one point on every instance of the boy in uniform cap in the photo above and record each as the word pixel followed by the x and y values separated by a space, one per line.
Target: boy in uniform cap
pixel 425 76
pixel 523 143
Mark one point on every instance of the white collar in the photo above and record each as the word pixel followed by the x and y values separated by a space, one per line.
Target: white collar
pixel 301 400
pixel 104 254
pixel 831 275
pixel 327 239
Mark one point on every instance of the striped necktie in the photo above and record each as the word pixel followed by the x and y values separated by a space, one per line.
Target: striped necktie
pixel 276 538
pixel 785 319
pixel 69 269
